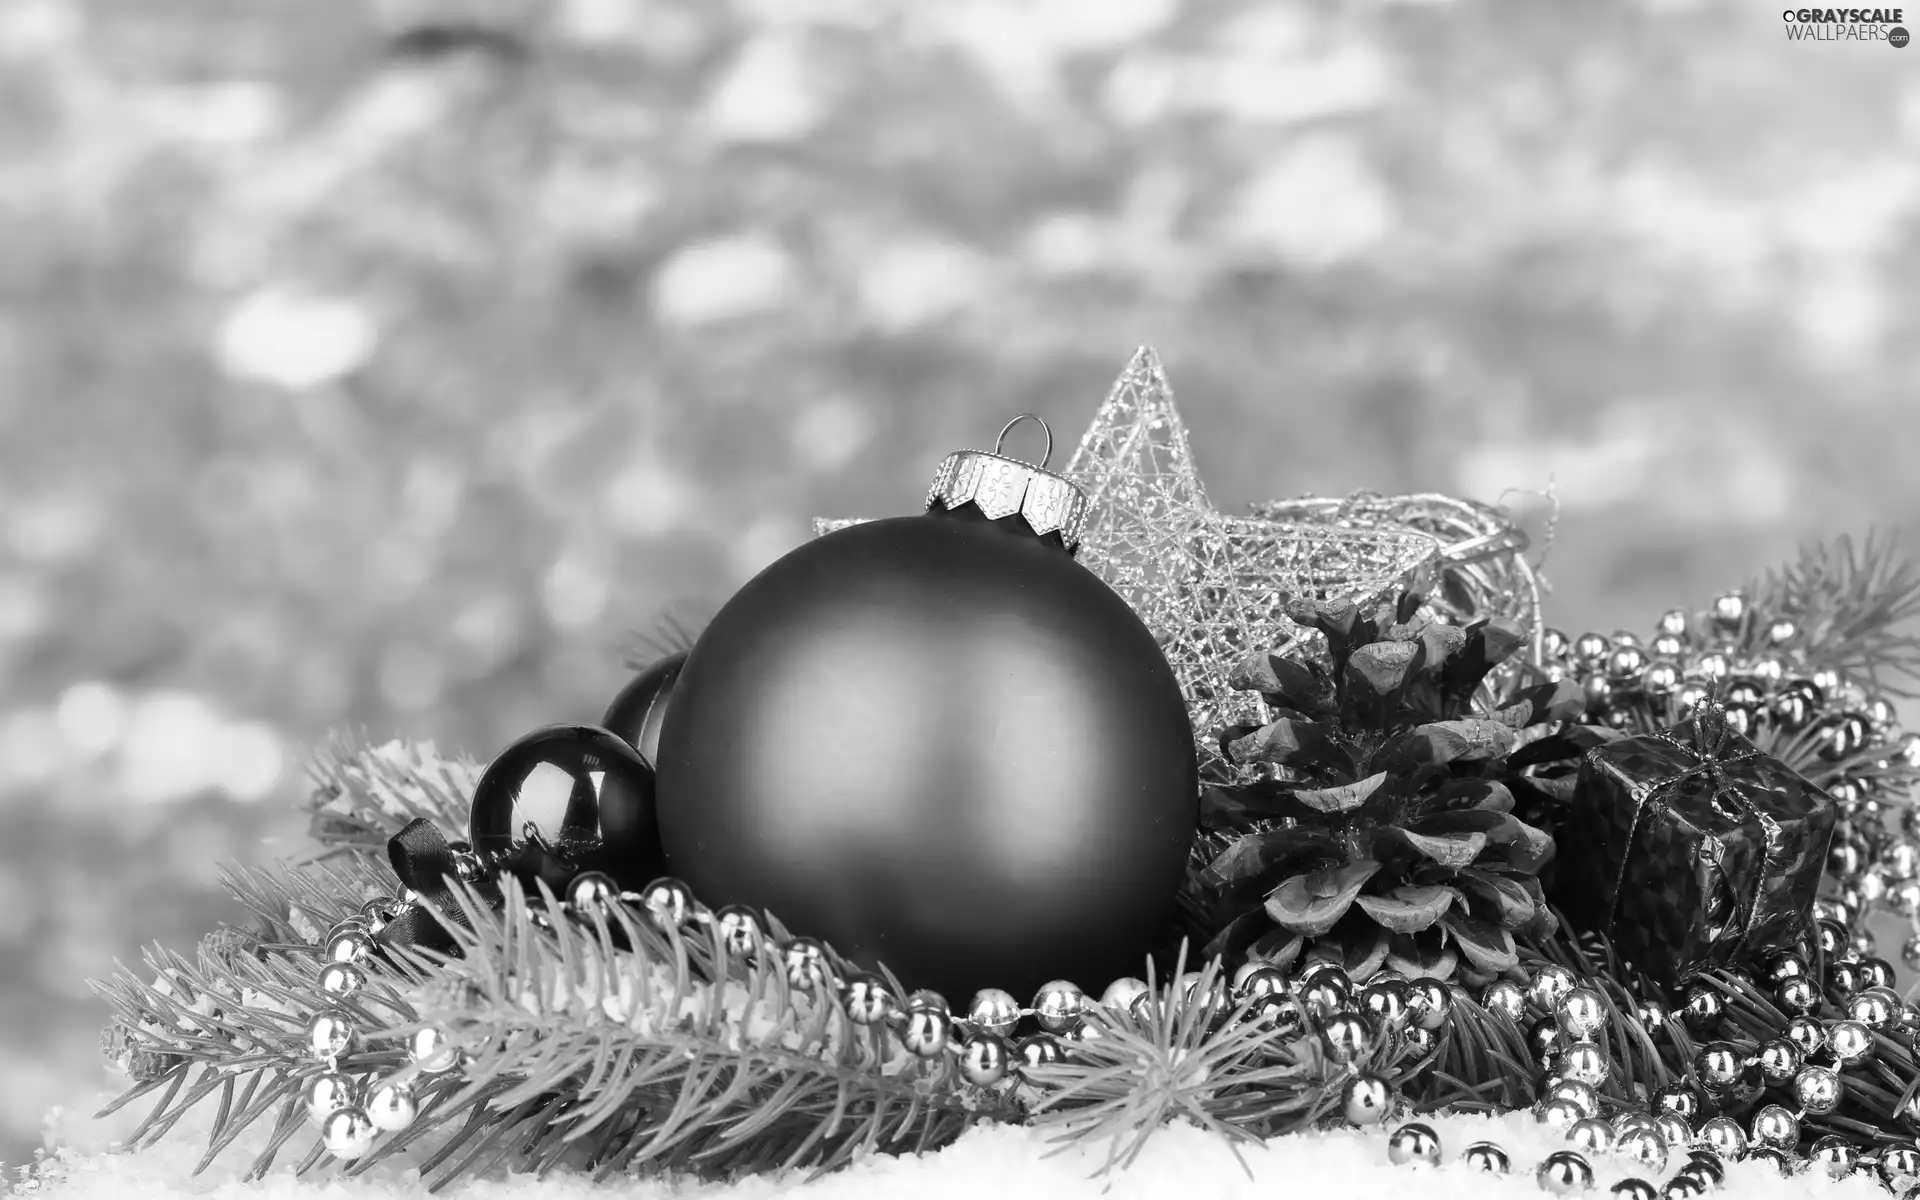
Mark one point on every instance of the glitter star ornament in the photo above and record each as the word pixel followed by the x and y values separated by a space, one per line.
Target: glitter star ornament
pixel 1212 587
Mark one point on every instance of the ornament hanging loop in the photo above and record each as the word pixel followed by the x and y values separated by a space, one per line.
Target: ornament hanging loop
pixel 1047 455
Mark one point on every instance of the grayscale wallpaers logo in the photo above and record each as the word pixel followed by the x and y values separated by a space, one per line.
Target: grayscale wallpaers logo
pixel 1846 25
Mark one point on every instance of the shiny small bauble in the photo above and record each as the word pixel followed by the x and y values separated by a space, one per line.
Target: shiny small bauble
pixel 927 1033
pixel 1126 992
pixel 669 902
pixel 985 1060
pixel 1782 967
pixel 807 964
pixel 566 799
pixel 1325 996
pixel 1683 1187
pixel 1429 1003
pixel 1547 1040
pixel 1660 679
pixel 1779 1060
pixel 1729 613
pixel 1707 1166
pixel 640 709
pixel 1674 1129
pixel 1059 1005
pixel 1591 649
pixel 939 742
pixel 1624 663
pixel 1414 1144
pixel 1724 1137
pixel 1385 1001
pixel 1910 953
pixel 327 1093
pixel 1581 1012
pixel 339 980
pixel 1703 1008
pixel 1718 1064
pixel 1835 1153
pixel 391 1106
pixel 1419 1041
pixel 1628 1119
pixel 1808 1034
pixel 994 1011
pixel 1040 1050
pixel 1851 1041
pixel 1367 1100
pixel 1899 1162
pixel 1564 1173
pixel 1251 980
pixel 1872 1009
pixel 431 1050
pixel 1903 898
pixel 347 1134
pixel 330 1035
pixel 1844 978
pixel 1674 623
pixel 740 930
pixel 867 999
pixel 1781 1161
pixel 1623 637
pixel 1651 1014
pixel 1583 1096
pixel 1487 1158
pixel 1592 1135
pixel 1643 1147
pixel 1846 860
pixel 1713 667
pixel 1634 1189
pixel 1346 1037
pixel 1598 690
pixel 1504 996
pixel 1817 1089
pixel 1797 995
pixel 349 946
pixel 1560 1115
pixel 1550 983
pixel 592 892
pixel 1679 1101
pixel 1901 861
pixel 1285 1015
pixel 1554 643
pixel 1585 1062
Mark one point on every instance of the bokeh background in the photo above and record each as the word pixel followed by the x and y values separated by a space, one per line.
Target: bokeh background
pixel 389 366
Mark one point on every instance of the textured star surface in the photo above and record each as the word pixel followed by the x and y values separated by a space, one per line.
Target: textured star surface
pixel 1212 587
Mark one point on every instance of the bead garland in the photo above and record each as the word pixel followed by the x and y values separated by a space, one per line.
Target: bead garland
pixel 1758 663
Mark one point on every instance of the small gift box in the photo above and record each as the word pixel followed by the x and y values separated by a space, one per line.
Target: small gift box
pixel 1691 848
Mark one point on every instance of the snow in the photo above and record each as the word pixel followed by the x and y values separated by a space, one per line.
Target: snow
pixel 989 1163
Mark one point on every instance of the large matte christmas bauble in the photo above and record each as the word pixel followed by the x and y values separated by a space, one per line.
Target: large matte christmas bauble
pixel 567 799
pixel 637 713
pixel 940 743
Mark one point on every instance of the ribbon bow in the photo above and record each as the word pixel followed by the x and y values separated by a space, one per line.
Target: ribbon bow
pixel 1711 736
pixel 425 862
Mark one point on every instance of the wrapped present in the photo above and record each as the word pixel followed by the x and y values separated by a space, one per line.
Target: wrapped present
pixel 1691 848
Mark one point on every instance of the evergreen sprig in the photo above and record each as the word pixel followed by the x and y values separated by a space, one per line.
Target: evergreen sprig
pixel 1852 605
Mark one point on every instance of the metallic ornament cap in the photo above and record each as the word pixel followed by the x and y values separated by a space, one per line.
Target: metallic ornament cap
pixel 1000 487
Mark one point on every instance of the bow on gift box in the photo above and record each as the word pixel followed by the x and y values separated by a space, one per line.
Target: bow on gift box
pixel 1702 850
pixel 1712 742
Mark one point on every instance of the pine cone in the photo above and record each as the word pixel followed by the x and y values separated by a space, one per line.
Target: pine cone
pixel 1382 833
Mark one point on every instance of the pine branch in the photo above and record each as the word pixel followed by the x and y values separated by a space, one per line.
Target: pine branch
pixel 363 794
pixel 1190 1053
pixel 1848 604
pixel 614 1027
